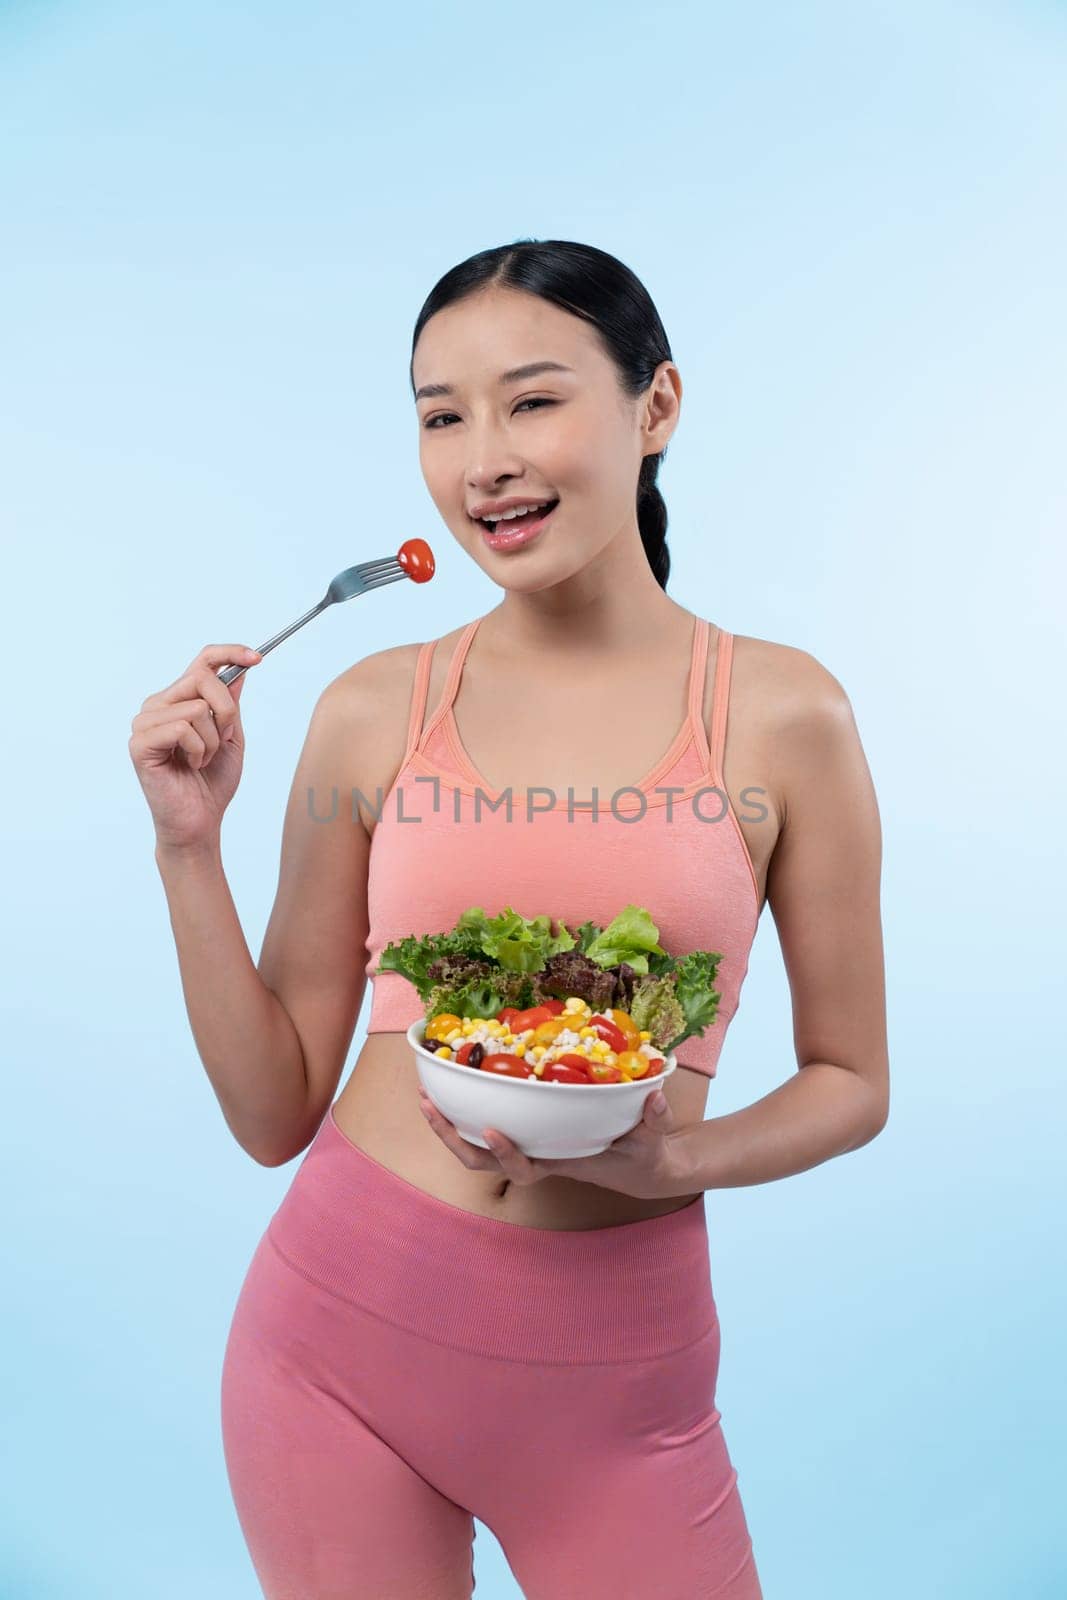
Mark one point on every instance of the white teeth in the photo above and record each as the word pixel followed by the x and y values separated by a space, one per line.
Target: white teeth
pixel 516 511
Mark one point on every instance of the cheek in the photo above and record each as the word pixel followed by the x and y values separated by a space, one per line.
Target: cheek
pixel 585 461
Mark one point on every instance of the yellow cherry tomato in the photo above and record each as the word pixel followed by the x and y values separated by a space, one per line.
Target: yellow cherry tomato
pixel 442 1024
pixel 631 1063
pixel 547 1032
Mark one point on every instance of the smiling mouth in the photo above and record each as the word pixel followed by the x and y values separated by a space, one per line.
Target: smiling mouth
pixel 513 524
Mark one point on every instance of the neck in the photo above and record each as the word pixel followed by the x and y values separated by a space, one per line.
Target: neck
pixel 613 603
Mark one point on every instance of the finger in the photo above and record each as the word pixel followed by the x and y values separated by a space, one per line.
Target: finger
pixel 514 1162
pixel 656 1111
pixel 221 698
pixel 195 710
pixel 471 1155
pixel 185 726
pixel 211 656
pixel 224 655
pixel 155 746
pixel 201 719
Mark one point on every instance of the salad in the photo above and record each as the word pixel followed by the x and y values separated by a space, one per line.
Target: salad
pixel 601 1005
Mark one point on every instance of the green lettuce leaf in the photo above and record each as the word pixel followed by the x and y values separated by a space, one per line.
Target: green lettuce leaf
pixel 632 936
pixel 693 978
pixel 518 943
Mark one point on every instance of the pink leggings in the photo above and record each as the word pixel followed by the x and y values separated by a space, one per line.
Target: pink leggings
pixel 397 1366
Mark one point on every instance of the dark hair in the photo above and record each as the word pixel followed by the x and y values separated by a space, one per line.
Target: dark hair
pixel 588 283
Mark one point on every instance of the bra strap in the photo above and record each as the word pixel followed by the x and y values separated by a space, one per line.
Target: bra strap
pixel 697 673
pixel 720 699
pixel 455 667
pixel 418 696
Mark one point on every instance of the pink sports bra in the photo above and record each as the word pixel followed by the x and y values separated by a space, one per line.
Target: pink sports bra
pixel 446 840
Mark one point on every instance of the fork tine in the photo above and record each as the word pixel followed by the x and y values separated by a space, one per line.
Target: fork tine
pixel 365 567
pixel 377 580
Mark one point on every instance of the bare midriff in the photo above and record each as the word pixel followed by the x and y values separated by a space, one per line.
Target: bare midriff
pixel 378 1110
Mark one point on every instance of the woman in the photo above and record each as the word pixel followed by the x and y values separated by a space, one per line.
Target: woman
pixel 430 1331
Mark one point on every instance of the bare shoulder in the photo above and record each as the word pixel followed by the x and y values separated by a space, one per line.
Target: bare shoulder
pixel 374 685
pixel 367 709
pixel 796 711
pixel 790 682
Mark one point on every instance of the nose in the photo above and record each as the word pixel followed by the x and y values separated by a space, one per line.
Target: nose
pixel 491 456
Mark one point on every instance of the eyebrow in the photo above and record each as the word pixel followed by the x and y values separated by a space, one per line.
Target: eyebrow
pixel 430 391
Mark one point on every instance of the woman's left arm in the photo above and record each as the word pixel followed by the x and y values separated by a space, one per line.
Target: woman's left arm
pixel 823 887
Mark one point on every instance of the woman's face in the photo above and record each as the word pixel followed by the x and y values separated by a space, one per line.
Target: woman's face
pixel 571 436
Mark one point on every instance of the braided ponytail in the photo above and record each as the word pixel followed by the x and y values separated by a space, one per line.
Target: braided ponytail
pixel 652 520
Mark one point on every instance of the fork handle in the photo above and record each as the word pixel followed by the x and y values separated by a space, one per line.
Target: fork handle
pixel 231 674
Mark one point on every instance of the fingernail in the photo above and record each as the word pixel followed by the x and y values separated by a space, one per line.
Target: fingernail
pixel 659 1101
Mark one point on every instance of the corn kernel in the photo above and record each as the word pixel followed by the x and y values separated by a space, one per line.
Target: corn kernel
pixel 495 1028
pixel 537 1051
pixel 645 1034
pixel 574 1003
pixel 454 1033
pixel 520 1050
pixel 445 1052
pixel 586 1033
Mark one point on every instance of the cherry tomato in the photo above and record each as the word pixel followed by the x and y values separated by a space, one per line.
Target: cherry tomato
pixel 464 1050
pixel 506 1014
pixel 600 1072
pixel 529 1018
pixel 506 1065
pixel 548 1032
pixel 655 1065
pixel 555 1006
pixel 441 1024
pixel 571 1058
pixel 632 1064
pixel 605 1029
pixel 559 1072
pixel 416 558
pixel 627 1027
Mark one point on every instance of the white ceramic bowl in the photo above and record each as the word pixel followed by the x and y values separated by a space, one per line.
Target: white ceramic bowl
pixel 553 1121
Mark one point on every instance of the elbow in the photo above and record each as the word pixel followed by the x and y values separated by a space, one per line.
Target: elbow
pixel 276 1158
pixel 873 1123
pixel 268 1161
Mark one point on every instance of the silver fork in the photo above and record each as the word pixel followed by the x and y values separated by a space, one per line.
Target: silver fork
pixel 365 575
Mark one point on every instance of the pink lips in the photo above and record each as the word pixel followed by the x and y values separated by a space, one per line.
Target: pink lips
pixel 520 536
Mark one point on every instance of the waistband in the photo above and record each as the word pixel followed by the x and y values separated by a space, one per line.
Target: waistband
pixel 626 1293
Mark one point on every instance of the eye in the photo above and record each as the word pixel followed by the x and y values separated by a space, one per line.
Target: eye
pixel 537 402
pixel 443 415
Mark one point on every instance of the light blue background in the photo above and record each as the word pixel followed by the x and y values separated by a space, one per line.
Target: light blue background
pixel 218 225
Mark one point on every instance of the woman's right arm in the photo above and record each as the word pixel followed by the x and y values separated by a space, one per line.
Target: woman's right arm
pixel 273 1038
pixel 244 1035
